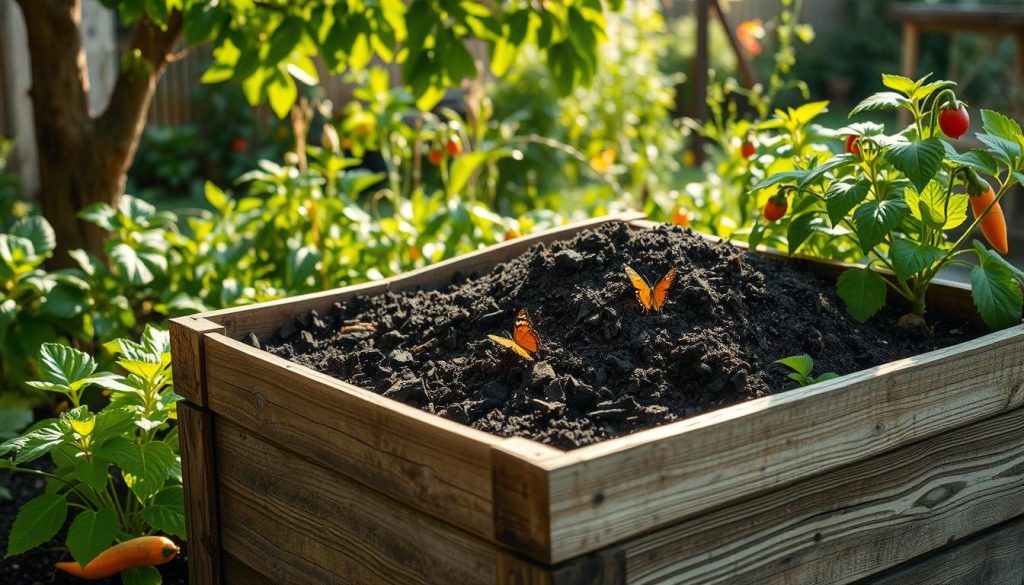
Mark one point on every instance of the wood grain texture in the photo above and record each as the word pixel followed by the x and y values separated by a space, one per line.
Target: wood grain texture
pixel 187 356
pixel 617 489
pixel 198 474
pixel 238 573
pixel 994 557
pixel 436 465
pixel 852 522
pixel 296 522
pixel 521 502
pixel 264 319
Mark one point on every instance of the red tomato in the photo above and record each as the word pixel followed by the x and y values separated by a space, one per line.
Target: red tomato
pixel 435 157
pixel 954 122
pixel 454 146
pixel 775 208
pixel 851 144
pixel 748 149
pixel 239 144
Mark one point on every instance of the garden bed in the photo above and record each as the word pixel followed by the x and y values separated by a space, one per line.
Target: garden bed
pixel 296 476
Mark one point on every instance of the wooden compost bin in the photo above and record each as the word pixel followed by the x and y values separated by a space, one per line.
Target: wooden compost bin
pixel 909 472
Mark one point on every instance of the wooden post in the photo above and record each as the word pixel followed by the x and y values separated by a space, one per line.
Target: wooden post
pixel 199 477
pixel 17 82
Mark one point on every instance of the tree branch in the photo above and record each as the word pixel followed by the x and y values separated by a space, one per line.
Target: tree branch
pixel 142 64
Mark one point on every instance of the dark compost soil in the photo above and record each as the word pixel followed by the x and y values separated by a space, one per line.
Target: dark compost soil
pixel 605 368
pixel 35 567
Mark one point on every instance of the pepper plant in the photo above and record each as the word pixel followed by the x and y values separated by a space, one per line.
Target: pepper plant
pixel 117 471
pixel 896 199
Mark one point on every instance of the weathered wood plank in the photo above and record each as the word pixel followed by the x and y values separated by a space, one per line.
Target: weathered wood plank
pixel 198 473
pixel 264 319
pixel 995 557
pixel 186 348
pixel 344 532
pixel 238 573
pixel 614 490
pixel 436 465
pixel 850 522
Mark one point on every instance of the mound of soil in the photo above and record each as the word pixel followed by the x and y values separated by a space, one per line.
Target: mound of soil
pixel 604 368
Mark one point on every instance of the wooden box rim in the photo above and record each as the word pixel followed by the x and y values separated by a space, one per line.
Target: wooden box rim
pixel 560 470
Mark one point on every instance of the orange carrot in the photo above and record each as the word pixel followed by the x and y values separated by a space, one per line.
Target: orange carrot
pixel 138 552
pixel 993 225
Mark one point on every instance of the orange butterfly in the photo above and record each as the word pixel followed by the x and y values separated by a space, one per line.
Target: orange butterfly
pixel 525 340
pixel 651 298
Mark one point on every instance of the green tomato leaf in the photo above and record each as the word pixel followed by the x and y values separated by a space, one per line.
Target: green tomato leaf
pixel 166 513
pixel 904 85
pixel 1000 126
pixel 930 206
pixel 996 292
pixel 90 533
pixel 909 257
pixel 141 576
pixel 783 177
pixel 39 442
pixel 842 196
pixel 801 364
pixel 837 161
pixel 93 473
pixel 862 291
pixel 145 467
pixel 800 228
pixel 876 219
pixel 977 159
pixel 37 230
pixel 37 522
pixel 885 100
pixel 919 161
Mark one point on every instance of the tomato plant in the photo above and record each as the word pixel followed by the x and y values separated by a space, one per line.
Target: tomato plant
pixel 895 206
pixel 115 472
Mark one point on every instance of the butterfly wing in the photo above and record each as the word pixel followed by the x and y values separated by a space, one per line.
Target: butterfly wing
pixel 511 345
pixel 643 290
pixel 524 334
pixel 661 289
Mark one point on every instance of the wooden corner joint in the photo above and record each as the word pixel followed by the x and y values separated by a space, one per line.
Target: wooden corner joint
pixel 522 518
pixel 187 335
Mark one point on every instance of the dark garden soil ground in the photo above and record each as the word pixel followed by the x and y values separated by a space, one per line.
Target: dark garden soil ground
pixel 36 566
pixel 605 368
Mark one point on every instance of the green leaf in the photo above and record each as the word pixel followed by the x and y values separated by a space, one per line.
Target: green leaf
pixel 835 162
pixel 284 39
pixel 281 93
pixel 862 291
pixel 36 230
pixel 1000 126
pixel 65 302
pixel 37 522
pixel 919 161
pixel 39 442
pixel 800 228
pixel 157 10
pixel 904 85
pixel 996 292
pixel 978 160
pixel 90 533
pixel 801 364
pixel 129 265
pixel 909 257
pixel 92 472
pixel 876 219
pixel 885 100
pixel 787 176
pixel 146 467
pixel 141 576
pixel 64 365
pixel 930 207
pixel 166 513
pixel 842 196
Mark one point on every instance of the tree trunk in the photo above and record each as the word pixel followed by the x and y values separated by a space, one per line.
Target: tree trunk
pixel 83 160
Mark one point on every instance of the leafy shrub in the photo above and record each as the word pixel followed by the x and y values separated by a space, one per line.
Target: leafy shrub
pixel 116 472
